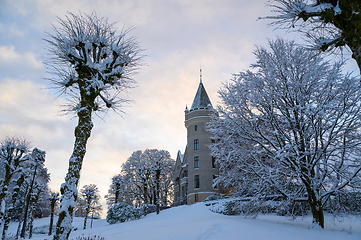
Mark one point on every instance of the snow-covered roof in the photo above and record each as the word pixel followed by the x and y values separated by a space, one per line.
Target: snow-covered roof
pixel 201 100
pixel 181 156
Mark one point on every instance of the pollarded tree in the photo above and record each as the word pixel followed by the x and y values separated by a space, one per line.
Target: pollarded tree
pixel 290 129
pixel 93 64
pixel 328 23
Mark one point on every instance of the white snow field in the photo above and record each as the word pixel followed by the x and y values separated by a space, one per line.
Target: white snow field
pixel 198 222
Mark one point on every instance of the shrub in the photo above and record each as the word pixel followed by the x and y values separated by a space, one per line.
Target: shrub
pixel 90 238
pixel 122 212
pixel 215 197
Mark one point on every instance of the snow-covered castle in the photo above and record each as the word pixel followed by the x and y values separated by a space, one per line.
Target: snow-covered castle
pixel 195 170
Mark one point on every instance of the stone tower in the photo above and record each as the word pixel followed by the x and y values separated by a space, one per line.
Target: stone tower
pixel 195 169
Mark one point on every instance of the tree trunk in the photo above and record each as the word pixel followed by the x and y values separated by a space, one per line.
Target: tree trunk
pixel 116 196
pixel 316 207
pixel 87 210
pixel 157 177
pixel 7 217
pixel 51 218
pixel 86 217
pixel 3 192
pixel 69 189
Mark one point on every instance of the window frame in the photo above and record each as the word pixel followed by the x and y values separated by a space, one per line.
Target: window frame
pixel 196 144
pixel 196 160
pixel 196 181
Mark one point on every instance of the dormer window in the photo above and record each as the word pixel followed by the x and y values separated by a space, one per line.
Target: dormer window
pixel 195 127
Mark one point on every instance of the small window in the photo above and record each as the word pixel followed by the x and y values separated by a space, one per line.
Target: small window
pixel 195 127
pixel 196 181
pixel 213 162
pixel 196 162
pixel 196 197
pixel 196 144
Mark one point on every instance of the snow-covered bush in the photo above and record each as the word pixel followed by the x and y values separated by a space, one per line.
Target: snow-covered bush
pixel 41 229
pixel 90 238
pixel 236 206
pixel 148 208
pixel 215 197
pixel 122 212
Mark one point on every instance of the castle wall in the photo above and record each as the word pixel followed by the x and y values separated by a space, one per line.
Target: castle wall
pixel 204 169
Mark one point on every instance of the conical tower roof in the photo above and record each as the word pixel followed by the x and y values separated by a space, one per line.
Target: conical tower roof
pixel 201 100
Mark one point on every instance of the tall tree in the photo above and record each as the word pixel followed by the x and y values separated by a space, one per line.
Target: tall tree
pixel 146 174
pixel 91 197
pixel 93 65
pixel 118 191
pixel 327 23
pixel 53 199
pixel 289 128
pixel 37 183
pixel 12 156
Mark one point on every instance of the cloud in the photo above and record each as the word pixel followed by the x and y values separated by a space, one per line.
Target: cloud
pixel 7 53
pixel 10 31
pixel 8 56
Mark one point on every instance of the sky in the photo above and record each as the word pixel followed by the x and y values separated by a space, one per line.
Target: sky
pixel 178 37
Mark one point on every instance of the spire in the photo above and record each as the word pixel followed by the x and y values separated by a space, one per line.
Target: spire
pixel 201 100
pixel 200 75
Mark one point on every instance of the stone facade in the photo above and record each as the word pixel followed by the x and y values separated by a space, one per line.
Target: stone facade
pixel 195 169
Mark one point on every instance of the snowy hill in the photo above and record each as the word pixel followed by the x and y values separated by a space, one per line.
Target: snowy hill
pixel 198 222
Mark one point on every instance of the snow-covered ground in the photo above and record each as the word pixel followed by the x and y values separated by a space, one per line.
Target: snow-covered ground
pixel 198 222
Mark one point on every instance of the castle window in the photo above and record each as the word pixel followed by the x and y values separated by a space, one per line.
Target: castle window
pixel 195 127
pixel 213 162
pixel 196 162
pixel 196 181
pixel 196 144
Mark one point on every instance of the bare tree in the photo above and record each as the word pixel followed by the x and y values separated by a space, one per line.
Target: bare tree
pixel 290 129
pixel 13 153
pixel 53 199
pixel 93 65
pixel 147 175
pixel 118 191
pixel 91 197
pixel 327 23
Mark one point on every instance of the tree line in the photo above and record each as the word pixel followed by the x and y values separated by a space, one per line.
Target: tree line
pixel 145 178
pixel 24 188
